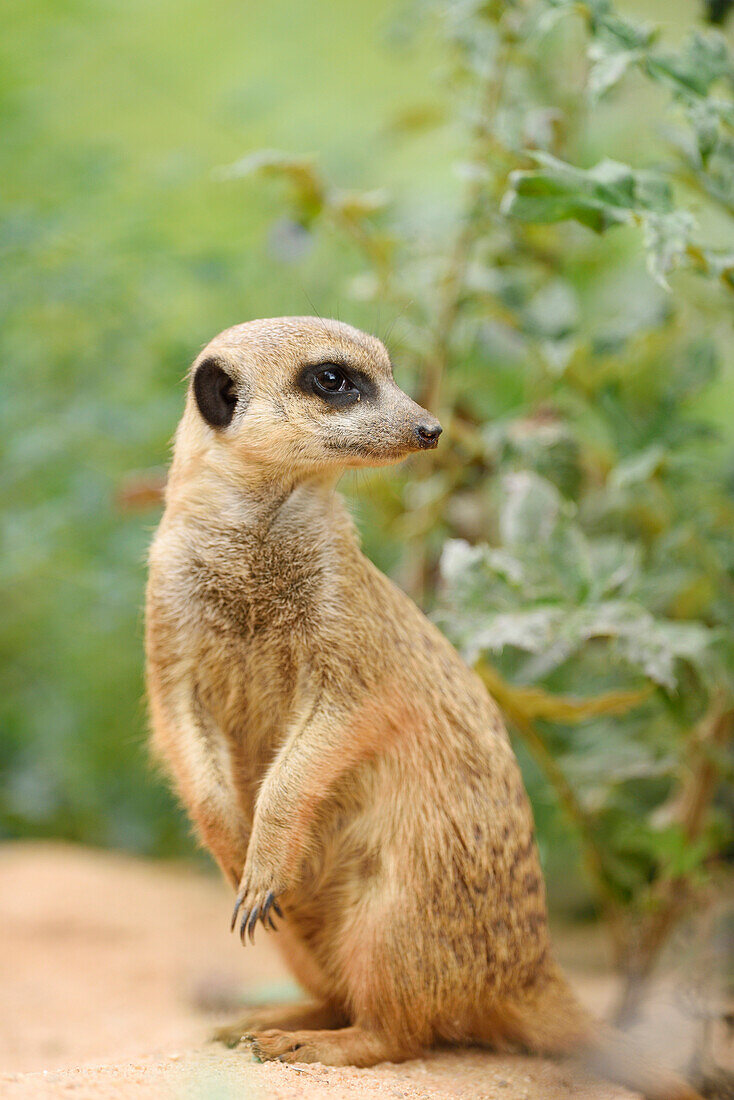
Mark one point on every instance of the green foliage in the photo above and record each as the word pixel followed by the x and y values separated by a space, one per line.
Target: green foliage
pixel 572 531
pixel 122 254
pixel 548 591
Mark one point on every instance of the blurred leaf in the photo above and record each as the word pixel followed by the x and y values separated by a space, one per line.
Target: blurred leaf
pixel 718 264
pixel 531 508
pixel 554 310
pixel 703 60
pixel 614 566
pixel 638 467
pixel 608 65
pixel 550 590
pixel 666 239
pixel 606 195
pixel 358 204
pixel 301 172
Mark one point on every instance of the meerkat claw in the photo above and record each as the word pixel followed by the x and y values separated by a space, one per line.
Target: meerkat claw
pixel 269 903
pixel 259 912
pixel 243 925
pixel 238 902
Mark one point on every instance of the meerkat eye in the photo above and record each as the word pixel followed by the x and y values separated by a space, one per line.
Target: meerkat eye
pixel 336 386
pixel 332 379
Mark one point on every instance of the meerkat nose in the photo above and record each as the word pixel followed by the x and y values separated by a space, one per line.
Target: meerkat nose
pixel 428 433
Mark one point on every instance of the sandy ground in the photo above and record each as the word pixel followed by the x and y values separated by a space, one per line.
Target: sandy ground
pixel 113 971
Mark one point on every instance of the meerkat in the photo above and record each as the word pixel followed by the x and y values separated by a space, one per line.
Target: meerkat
pixel 349 773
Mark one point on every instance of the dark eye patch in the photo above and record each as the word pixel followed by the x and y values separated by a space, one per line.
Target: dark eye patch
pixel 215 393
pixel 337 384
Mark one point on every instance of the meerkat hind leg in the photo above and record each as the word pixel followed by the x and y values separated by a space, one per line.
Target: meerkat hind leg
pixel 347 1046
pixel 283 1017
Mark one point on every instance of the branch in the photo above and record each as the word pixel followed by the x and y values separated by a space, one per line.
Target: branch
pixel 510 700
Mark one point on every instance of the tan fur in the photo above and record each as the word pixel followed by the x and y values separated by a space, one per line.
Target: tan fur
pixel 328 742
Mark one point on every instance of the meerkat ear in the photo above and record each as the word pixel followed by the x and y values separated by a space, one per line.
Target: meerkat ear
pixel 215 393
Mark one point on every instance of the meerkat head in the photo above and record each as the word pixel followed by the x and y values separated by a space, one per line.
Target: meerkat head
pixel 298 395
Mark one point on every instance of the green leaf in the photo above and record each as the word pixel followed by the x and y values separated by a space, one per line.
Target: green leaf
pixel 652 645
pixel 666 239
pixel 600 197
pixel 705 120
pixel 553 630
pixel 703 60
pixel 608 66
pixel 617 42
pixel 614 566
pixel 603 20
pixel 637 468
pixel 533 630
pixel 458 559
pixel 530 510
pixel 714 262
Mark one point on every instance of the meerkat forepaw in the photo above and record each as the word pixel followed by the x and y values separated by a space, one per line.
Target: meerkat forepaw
pixel 251 909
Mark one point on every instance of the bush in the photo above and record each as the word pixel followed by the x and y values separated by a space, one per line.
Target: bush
pixel 573 532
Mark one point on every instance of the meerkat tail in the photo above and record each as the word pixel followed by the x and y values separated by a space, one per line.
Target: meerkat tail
pixel 549 1019
pixel 614 1055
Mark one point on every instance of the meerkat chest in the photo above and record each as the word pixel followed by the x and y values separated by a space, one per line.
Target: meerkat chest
pixel 262 593
pixel 232 621
pixel 240 695
pixel 219 708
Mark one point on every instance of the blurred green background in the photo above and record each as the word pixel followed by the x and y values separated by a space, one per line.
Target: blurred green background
pixel 124 250
pixel 122 254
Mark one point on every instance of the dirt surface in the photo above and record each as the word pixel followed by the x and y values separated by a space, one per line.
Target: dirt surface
pixel 114 970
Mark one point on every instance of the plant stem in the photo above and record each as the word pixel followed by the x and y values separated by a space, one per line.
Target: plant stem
pixel 450 291
pixel 591 852
pixel 449 300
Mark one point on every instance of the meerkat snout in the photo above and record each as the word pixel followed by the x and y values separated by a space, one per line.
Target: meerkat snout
pixel 428 433
pixel 305 396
